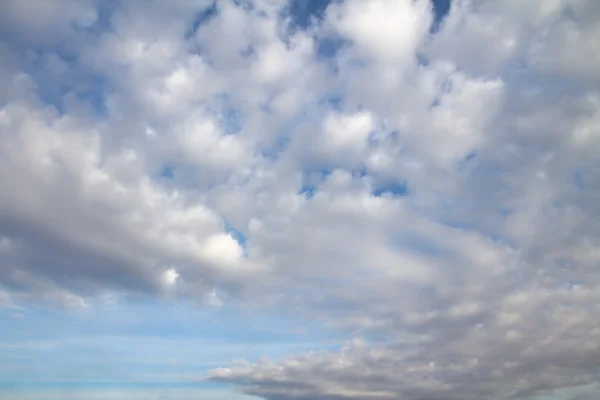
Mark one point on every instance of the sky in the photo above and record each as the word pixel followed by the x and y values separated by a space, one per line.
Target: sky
pixel 299 200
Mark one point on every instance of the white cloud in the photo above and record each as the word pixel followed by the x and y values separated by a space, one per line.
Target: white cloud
pixel 388 30
pixel 348 133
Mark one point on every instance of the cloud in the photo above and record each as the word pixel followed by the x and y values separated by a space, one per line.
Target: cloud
pixel 43 23
pixel 429 196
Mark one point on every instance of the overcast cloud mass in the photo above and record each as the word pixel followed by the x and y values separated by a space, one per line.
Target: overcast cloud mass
pixel 423 183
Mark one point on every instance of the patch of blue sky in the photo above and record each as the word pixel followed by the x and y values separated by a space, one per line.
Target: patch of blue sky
pixel 359 172
pixel 308 191
pixel 227 114
pixel 441 9
pixel 309 114
pixel 167 172
pixel 329 46
pixel 246 5
pixel 99 21
pixel 447 86
pixel 327 50
pixel 237 235
pixel 94 94
pixel 51 91
pixel 123 394
pixel 231 120
pixel 54 67
pixel 104 13
pixel 422 60
pixel 584 392
pixel 272 151
pixel 131 360
pixel 304 12
pixel 311 180
pixel 397 189
pixel 332 101
pixel 48 67
pixel 202 17
pixel 143 342
pixel 100 384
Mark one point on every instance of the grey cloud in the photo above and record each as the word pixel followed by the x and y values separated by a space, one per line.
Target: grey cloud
pixel 45 23
pixel 511 313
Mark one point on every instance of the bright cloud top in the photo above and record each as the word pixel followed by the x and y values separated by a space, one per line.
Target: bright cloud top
pixel 430 192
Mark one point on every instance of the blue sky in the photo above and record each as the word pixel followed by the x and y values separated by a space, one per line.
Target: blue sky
pixel 299 200
pixel 143 346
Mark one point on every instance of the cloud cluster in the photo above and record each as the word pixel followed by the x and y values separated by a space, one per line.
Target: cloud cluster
pixel 430 193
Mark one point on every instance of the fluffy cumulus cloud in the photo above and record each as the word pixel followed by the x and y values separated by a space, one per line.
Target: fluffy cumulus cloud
pixel 427 189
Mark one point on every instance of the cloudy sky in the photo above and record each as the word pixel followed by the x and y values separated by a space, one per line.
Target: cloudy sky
pixel 299 199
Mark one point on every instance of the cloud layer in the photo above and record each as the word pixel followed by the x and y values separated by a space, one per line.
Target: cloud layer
pixel 431 194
